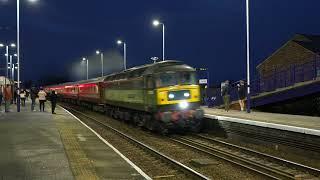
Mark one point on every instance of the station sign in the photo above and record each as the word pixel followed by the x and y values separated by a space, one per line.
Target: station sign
pixel 203 81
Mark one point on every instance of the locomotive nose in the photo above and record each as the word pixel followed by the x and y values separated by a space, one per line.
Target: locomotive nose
pixel 178 95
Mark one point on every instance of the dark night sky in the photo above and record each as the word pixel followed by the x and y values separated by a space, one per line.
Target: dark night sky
pixel 203 33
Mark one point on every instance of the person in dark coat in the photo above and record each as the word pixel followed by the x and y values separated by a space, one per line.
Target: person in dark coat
pixel 33 96
pixel 225 94
pixel 241 94
pixel 53 99
pixel 1 95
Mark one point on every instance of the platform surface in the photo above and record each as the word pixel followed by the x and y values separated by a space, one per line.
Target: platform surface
pixel 296 123
pixel 39 145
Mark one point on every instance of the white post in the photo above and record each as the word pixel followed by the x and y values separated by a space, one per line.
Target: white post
pixel 7 59
pixel 12 71
pixel 18 53
pixel 87 69
pixel 5 79
pixel 163 41
pixel 248 55
pixel 125 55
pixel 10 68
pixel 101 63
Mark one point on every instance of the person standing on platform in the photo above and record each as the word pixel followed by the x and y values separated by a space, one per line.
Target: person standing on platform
pixel 23 97
pixel 1 95
pixel 53 99
pixel 33 96
pixel 7 97
pixel 225 95
pixel 241 94
pixel 15 95
pixel 27 94
pixel 42 98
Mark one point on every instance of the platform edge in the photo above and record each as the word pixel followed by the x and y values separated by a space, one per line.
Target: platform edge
pixel 111 146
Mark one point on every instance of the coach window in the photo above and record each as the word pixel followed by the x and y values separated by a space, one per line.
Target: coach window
pixel 150 84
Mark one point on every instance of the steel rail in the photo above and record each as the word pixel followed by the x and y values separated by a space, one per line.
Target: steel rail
pixel 173 162
pixel 234 159
pixel 311 170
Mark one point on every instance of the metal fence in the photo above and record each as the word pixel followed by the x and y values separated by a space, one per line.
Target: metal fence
pixel 276 79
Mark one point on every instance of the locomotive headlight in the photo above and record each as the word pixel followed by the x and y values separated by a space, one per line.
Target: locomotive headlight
pixel 186 94
pixel 183 105
pixel 171 96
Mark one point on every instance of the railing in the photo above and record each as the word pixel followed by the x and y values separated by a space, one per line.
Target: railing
pixel 276 79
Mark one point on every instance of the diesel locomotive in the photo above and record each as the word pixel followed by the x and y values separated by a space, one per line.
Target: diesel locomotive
pixel 159 96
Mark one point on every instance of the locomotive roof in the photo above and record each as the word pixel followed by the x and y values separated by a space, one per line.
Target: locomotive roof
pixel 137 71
pixel 162 66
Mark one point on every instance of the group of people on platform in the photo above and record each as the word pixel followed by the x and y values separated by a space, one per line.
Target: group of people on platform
pixel 9 96
pixel 225 94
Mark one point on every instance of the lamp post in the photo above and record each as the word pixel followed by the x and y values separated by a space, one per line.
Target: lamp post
pixel 18 50
pixel 248 55
pixel 87 62
pixel 119 42
pixel 10 66
pixel 6 67
pixel 157 23
pixel 101 56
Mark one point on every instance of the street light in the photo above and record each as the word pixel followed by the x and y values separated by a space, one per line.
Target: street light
pixel 18 50
pixel 87 61
pixel 7 62
pixel 157 23
pixel 119 42
pixel 248 55
pixel 101 56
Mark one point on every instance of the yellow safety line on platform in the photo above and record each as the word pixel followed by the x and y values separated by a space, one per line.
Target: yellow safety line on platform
pixel 81 166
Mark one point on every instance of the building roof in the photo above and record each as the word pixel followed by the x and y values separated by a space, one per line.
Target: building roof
pixel 307 41
pixel 310 42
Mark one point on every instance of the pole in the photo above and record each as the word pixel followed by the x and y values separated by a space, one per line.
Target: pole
pixel 87 69
pixel 5 80
pixel 18 54
pixel 125 55
pixel 208 77
pixel 163 41
pixel 101 64
pixel 12 72
pixel 7 60
pixel 10 68
pixel 248 56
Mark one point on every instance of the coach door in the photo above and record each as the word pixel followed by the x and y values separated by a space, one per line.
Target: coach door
pixel 149 93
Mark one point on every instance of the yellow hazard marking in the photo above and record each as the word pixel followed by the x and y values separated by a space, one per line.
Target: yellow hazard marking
pixel 81 166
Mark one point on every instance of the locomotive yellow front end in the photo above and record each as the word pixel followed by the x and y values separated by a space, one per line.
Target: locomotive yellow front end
pixel 178 98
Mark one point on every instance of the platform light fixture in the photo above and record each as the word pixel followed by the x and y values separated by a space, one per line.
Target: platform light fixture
pixel 157 23
pixel 98 52
pixel 87 64
pixel 119 42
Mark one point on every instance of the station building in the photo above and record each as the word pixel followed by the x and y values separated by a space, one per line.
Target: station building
pixel 298 60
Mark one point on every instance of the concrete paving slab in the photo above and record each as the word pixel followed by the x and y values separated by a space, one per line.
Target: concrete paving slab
pixel 31 147
pixel 40 145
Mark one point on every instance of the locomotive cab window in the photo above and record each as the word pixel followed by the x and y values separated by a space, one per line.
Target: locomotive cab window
pixel 171 79
pixel 166 79
pixel 188 78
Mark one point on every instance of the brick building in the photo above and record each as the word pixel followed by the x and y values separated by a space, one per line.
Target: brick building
pixel 297 60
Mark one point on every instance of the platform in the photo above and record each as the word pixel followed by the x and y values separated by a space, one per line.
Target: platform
pixel 39 145
pixel 295 123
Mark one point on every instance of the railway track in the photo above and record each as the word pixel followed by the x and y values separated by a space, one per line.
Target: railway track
pixel 158 155
pixel 270 166
pixel 276 138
